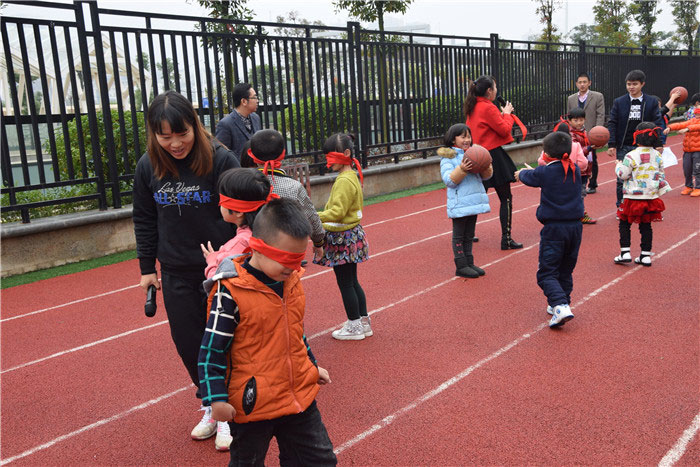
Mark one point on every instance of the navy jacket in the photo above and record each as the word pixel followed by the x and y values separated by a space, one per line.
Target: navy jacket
pixel 619 114
pixel 232 133
pixel 560 200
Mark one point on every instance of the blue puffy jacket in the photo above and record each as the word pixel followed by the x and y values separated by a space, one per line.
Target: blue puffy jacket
pixel 469 196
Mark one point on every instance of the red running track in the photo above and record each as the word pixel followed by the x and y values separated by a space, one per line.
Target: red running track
pixel 458 372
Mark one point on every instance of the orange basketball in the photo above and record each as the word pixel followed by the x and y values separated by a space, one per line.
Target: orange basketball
pixel 480 158
pixel 599 136
pixel 682 97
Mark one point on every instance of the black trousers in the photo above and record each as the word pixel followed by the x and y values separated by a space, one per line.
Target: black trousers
pixel 593 180
pixel 353 296
pixel 302 439
pixel 506 209
pixel 644 230
pixel 462 236
pixel 559 246
pixel 185 305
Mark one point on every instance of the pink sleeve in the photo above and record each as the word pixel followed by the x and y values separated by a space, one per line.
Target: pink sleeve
pixel 578 157
pixel 236 246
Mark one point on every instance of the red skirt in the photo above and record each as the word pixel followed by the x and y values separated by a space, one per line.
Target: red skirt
pixel 641 210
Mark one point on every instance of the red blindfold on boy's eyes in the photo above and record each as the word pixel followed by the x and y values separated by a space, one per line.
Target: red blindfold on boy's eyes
pixel 273 164
pixel 566 162
pixel 285 258
pixel 651 131
pixel 240 205
pixel 340 158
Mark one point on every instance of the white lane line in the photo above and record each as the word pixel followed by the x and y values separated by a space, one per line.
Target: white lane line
pixel 676 452
pixel 389 419
pixel 85 346
pixel 98 423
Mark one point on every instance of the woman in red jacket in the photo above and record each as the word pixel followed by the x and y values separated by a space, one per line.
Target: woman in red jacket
pixel 491 128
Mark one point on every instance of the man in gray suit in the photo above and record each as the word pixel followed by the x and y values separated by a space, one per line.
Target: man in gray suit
pixel 237 127
pixel 593 104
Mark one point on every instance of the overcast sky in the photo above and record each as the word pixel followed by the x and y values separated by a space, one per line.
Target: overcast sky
pixel 510 19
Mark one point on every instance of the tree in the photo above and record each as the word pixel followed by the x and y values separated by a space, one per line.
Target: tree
pixel 234 10
pixel 545 11
pixel 645 13
pixel 294 18
pixel 685 15
pixel 587 33
pixel 611 22
pixel 373 10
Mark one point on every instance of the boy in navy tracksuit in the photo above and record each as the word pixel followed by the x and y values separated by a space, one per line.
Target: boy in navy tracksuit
pixel 626 113
pixel 560 210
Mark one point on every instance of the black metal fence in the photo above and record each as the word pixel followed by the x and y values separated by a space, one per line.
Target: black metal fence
pixel 77 80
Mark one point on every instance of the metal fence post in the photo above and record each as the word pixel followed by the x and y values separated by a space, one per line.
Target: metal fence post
pixel 582 58
pixel 495 60
pixel 90 104
pixel 356 91
pixel 106 108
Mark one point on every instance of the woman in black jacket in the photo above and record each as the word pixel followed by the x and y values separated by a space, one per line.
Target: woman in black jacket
pixel 176 208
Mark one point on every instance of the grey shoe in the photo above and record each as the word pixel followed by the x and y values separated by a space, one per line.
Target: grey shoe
pixel 366 325
pixel 590 191
pixel 351 331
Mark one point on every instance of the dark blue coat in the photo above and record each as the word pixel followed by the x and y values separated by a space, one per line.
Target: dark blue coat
pixel 232 133
pixel 560 200
pixel 619 114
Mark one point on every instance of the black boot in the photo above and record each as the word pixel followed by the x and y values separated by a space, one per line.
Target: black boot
pixel 470 262
pixel 463 268
pixel 506 215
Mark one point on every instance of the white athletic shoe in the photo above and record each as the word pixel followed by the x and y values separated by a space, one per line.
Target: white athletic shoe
pixel 223 436
pixel 366 325
pixel 206 428
pixel 550 310
pixel 351 331
pixel 624 257
pixel 562 314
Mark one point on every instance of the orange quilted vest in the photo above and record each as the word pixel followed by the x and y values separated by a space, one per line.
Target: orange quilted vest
pixel 269 373
pixel 691 141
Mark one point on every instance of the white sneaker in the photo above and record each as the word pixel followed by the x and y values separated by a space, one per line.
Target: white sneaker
pixel 351 331
pixel 223 436
pixel 562 314
pixel 550 310
pixel 206 428
pixel 366 325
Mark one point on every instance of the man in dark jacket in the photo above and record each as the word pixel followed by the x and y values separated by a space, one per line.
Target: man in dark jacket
pixel 237 127
pixel 627 112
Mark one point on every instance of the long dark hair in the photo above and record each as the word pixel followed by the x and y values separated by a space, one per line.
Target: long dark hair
pixel 453 132
pixel 477 88
pixel 174 108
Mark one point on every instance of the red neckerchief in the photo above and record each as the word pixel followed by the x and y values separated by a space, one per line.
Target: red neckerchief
pixel 285 258
pixel 581 134
pixel 566 162
pixel 340 158
pixel 240 205
pixel 651 131
pixel 273 164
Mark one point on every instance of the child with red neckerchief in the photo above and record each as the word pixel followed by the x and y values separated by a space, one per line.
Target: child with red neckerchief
pixel 346 244
pixel 642 173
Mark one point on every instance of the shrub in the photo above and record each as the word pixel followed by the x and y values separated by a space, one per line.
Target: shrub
pixel 434 116
pixel 311 137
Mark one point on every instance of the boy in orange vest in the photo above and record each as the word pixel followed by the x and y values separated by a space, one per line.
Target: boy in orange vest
pixel 255 365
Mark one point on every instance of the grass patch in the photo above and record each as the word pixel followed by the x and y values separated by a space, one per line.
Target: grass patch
pixel 404 193
pixel 21 279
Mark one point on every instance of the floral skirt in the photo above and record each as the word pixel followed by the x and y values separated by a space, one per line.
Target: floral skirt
pixel 641 210
pixel 348 246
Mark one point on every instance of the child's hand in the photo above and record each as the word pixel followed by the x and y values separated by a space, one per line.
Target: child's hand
pixel 674 96
pixel 465 165
pixel 323 377
pixel 517 175
pixel 207 250
pixel 612 152
pixel 667 131
pixel 318 252
pixel 527 166
pixel 222 411
pixel 680 132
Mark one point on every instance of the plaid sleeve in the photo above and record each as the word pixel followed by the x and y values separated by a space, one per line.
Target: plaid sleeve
pixel 217 340
pixel 308 351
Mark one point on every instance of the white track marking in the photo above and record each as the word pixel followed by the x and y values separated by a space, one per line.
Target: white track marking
pixel 389 419
pixel 85 346
pixel 676 452
pixel 98 423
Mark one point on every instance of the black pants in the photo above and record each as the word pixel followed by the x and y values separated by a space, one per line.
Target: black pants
pixel 462 236
pixel 185 304
pixel 559 245
pixel 644 230
pixel 593 181
pixel 506 210
pixel 353 296
pixel 302 439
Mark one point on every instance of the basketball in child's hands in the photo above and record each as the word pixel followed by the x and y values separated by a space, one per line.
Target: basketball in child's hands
pixel 599 136
pixel 684 94
pixel 479 157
